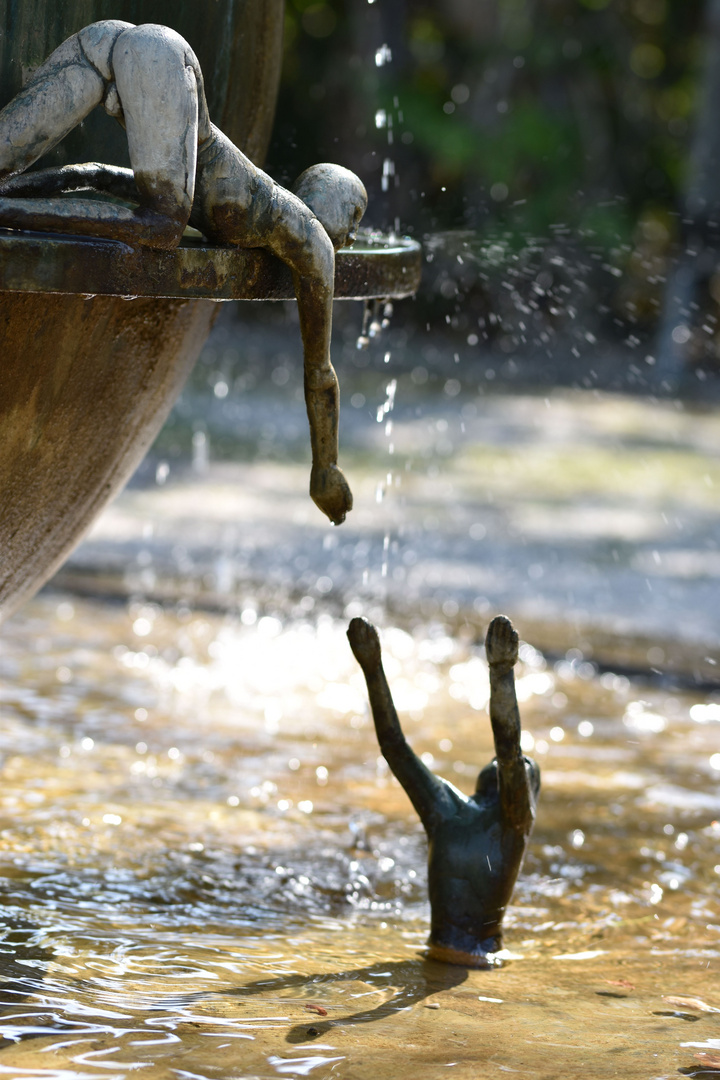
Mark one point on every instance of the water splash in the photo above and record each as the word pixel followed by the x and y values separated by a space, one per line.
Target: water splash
pixel 376 318
pixel 388 171
pixel 200 452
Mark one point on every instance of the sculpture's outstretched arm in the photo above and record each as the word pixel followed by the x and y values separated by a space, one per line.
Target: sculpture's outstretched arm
pixel 430 796
pixel 26 202
pixel 300 241
pixel 501 646
pixel 43 183
pixel 329 489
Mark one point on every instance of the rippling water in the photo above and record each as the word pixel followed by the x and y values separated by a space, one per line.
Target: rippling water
pixel 208 872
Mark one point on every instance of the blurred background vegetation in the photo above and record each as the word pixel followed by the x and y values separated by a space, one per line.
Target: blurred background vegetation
pixel 542 148
pixel 580 107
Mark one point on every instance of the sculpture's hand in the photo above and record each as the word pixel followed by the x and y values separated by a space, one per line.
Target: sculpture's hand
pixel 330 491
pixel 365 643
pixel 501 645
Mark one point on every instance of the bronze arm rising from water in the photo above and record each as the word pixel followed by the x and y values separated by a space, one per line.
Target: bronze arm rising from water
pixel 476 844
pixel 184 170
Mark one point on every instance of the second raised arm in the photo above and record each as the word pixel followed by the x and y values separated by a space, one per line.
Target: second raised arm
pixel 501 647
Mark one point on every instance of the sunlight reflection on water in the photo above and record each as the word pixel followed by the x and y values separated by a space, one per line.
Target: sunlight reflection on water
pixel 202 850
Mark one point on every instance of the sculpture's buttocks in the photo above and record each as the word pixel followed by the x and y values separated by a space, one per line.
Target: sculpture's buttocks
pixel 97 42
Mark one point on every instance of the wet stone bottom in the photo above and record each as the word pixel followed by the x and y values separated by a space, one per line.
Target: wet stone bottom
pixel 207 872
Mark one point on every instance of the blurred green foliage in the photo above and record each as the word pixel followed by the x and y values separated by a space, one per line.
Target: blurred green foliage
pixel 510 114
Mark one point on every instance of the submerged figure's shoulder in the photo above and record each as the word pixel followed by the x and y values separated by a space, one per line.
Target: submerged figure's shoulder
pixel 452 805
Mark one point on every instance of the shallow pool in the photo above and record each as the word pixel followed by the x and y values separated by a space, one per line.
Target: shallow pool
pixel 207 870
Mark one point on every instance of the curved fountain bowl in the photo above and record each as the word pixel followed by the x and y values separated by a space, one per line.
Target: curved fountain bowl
pixel 98 338
pixel 376 266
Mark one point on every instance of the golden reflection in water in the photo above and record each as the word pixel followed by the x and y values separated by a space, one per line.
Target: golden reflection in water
pixel 208 871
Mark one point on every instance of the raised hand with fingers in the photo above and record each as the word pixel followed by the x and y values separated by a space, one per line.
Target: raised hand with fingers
pixel 501 644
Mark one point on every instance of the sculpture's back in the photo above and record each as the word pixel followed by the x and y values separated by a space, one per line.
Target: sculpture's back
pixel 86 382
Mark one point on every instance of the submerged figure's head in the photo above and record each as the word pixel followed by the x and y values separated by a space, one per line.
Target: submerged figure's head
pixel 337 198
pixel 487 786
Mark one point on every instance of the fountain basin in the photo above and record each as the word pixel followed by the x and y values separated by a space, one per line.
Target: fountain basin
pixel 247 879
pixel 98 339
pixel 374 267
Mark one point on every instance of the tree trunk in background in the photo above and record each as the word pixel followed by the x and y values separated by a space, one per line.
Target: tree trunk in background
pixel 700 217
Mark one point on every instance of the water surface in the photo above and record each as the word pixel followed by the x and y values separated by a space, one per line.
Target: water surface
pixel 208 872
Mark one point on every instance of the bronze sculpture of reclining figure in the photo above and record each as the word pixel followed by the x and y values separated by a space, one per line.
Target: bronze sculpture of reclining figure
pixel 184 170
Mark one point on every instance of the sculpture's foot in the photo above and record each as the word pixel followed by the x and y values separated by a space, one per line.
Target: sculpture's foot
pixel 446 954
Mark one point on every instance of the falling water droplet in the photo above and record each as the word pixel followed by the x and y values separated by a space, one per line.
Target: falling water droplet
pixel 200 452
pixel 388 171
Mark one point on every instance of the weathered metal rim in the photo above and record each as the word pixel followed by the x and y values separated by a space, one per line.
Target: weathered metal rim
pixel 376 266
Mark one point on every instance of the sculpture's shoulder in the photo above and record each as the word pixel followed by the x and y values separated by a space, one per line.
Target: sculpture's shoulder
pixel 98 41
pixel 452 805
pixel 471 813
pixel 218 157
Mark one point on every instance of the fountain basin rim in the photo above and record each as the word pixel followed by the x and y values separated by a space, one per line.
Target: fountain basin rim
pixel 375 267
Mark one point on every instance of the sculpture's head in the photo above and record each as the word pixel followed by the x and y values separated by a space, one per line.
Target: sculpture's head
pixel 486 787
pixel 337 198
